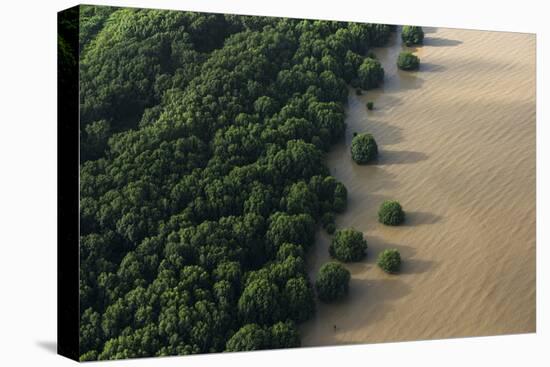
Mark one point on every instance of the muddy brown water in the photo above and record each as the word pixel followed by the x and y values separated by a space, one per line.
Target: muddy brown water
pixel 457 149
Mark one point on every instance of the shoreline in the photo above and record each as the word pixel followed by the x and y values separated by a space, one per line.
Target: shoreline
pixel 441 133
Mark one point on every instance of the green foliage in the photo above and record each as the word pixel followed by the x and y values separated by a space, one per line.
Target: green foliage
pixel 284 335
pixel 289 249
pixel 327 221
pixel 92 20
pixel 249 337
pixel 298 296
pixel 379 34
pixel 265 106
pixel 348 245
pixel 202 175
pixel 408 61
pixel 370 105
pixel 229 272
pixel 412 35
pixel 370 73
pixel 90 355
pixel 389 260
pixel 94 139
pixel 298 228
pixel 391 213
pixel 301 199
pixel 254 337
pixel 363 148
pixel 332 282
pixel 330 228
pixel 260 303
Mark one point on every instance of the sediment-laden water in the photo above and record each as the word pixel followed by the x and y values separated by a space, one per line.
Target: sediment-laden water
pixel 457 149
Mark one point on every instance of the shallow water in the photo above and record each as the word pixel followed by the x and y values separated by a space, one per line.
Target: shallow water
pixel 457 149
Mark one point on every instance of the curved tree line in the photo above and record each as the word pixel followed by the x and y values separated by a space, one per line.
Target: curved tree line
pixel 202 175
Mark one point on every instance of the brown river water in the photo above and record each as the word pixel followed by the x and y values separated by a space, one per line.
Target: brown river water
pixel 457 149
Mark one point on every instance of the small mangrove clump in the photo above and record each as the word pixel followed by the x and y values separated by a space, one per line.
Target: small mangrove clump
pixel 412 35
pixel 327 221
pixel 332 282
pixel 363 148
pixel 370 106
pixel 389 260
pixel 348 245
pixel 330 228
pixel 408 61
pixel 370 73
pixel 391 213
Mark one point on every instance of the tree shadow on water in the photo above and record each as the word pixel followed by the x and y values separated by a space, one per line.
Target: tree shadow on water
pixel 418 218
pixel 429 67
pixel 372 299
pixel 365 221
pixel 440 42
pixel 390 157
pixel 416 266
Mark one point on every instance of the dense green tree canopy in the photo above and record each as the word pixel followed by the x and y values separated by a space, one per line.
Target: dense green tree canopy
pixel 389 260
pixel 348 245
pixel 298 297
pixel 254 337
pixel 363 148
pixel 412 35
pixel 370 74
pixel 202 176
pixel 284 335
pixel 249 337
pixel 301 199
pixel 294 228
pixel 332 282
pixel 260 303
pixel 408 61
pixel 391 213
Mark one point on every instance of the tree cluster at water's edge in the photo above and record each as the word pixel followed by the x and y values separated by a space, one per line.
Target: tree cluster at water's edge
pixel 202 175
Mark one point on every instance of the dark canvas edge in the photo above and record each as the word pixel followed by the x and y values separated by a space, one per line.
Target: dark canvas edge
pixel 68 193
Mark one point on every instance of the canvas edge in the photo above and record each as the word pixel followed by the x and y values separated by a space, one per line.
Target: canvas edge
pixel 68 192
